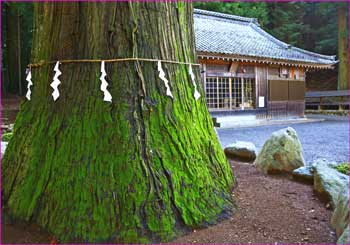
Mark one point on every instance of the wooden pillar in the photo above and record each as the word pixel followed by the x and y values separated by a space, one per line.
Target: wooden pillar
pixel 204 70
pixel 230 89
pixel 320 105
pixel 217 93
pixel 242 92
pixel 341 103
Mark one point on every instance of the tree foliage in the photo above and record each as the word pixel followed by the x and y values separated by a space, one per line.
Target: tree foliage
pixel 248 9
pixel 286 21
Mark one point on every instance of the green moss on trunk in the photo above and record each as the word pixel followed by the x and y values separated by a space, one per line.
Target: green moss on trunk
pixel 143 168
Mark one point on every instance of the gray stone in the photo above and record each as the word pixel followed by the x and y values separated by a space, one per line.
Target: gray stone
pixel 241 151
pixel 304 174
pixel 341 214
pixel 345 237
pixel 282 152
pixel 7 127
pixel 328 182
pixel 3 147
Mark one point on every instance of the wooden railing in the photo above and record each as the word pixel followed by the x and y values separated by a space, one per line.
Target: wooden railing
pixel 323 100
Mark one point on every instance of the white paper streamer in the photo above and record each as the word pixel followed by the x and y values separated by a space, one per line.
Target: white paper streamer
pixel 56 82
pixel 29 79
pixel 163 78
pixel 104 84
pixel 196 93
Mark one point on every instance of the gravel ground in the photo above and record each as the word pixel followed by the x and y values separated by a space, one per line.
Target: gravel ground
pixel 328 139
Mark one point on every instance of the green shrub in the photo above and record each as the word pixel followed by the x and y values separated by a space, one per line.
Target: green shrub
pixel 6 137
pixel 343 168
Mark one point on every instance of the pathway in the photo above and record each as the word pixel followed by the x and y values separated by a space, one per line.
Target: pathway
pixel 328 139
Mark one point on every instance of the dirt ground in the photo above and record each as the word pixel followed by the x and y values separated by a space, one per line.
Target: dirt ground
pixel 272 209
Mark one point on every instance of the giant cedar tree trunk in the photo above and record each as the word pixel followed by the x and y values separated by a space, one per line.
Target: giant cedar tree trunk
pixel 143 168
pixel 343 47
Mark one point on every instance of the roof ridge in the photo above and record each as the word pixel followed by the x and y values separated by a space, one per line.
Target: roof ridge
pixel 329 57
pixel 226 16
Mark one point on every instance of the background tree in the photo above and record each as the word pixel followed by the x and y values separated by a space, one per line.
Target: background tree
pixel 142 168
pixel 343 47
pixel 257 10
pixel 320 33
pixel 17 19
pixel 286 21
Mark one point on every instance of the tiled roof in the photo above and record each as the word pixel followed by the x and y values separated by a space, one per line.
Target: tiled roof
pixel 234 35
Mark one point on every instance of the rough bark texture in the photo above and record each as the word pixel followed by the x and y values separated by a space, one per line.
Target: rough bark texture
pixel 343 47
pixel 143 168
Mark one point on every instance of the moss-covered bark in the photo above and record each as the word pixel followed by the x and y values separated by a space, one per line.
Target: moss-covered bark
pixel 143 168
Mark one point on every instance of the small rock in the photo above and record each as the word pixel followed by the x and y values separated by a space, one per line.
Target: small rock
pixel 3 147
pixel 304 174
pixel 241 151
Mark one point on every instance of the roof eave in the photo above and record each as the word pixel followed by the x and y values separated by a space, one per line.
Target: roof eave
pixel 264 60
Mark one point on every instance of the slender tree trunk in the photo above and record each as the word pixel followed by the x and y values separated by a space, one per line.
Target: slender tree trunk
pixel 142 168
pixel 12 47
pixel 343 48
pixel 19 47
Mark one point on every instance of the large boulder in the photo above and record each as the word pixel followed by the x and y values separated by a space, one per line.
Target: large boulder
pixel 241 151
pixel 328 182
pixel 341 214
pixel 282 152
pixel 345 237
pixel 332 185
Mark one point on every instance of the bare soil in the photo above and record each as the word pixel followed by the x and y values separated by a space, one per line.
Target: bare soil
pixel 270 209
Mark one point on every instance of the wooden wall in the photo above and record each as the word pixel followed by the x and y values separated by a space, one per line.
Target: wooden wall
pixel 283 88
